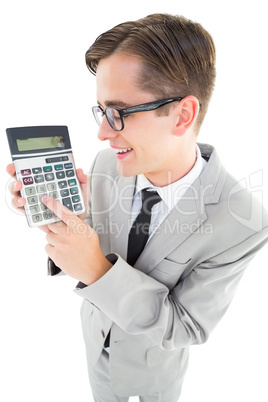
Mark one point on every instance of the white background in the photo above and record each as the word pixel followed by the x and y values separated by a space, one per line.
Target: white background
pixel 44 81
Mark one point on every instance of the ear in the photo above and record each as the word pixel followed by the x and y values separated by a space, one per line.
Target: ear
pixel 187 110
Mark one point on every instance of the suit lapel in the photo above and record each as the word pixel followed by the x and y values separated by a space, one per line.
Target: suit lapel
pixel 184 219
pixel 120 212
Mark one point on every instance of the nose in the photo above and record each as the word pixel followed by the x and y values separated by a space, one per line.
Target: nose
pixel 106 132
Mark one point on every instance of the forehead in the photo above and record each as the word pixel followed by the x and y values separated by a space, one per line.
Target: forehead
pixel 117 81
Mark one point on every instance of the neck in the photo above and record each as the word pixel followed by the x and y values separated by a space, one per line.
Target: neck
pixel 177 168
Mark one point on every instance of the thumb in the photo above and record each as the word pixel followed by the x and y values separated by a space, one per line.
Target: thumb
pixel 82 177
pixel 84 181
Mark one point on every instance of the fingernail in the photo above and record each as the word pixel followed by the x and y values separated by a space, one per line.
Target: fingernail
pixel 20 201
pixel 45 198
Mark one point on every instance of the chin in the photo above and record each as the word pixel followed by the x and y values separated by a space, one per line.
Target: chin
pixel 126 171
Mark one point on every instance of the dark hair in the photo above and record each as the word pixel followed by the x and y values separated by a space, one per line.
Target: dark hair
pixel 178 56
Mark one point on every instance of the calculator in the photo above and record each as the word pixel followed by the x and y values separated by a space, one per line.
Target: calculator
pixel 43 159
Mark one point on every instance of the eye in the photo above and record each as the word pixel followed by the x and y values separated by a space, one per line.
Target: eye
pixel 116 117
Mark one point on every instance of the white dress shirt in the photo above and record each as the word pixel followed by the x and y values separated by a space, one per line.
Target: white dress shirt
pixel 170 194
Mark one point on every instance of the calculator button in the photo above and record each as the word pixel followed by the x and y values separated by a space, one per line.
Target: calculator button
pixel 69 173
pixel 47 169
pixel 40 197
pixel 67 203
pixel 57 179
pixel 27 181
pixel 68 165
pixel 39 178
pixel 62 184
pixel 37 218
pixel 78 207
pixel 72 182
pixel 32 200
pixel 30 191
pixel 25 172
pixel 34 209
pixel 74 191
pixel 51 186
pixel 64 193
pixel 37 170
pixel 60 175
pixel 49 176
pixel 76 198
pixel 41 188
pixel 54 195
pixel 43 207
pixel 48 215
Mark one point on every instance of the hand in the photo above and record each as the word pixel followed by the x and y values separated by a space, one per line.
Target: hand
pixel 74 246
pixel 18 202
pixel 15 187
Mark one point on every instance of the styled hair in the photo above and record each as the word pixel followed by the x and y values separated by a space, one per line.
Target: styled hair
pixel 178 56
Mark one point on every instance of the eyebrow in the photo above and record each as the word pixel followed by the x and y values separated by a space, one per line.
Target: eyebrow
pixel 116 103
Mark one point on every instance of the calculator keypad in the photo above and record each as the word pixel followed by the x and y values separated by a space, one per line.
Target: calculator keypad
pixel 56 180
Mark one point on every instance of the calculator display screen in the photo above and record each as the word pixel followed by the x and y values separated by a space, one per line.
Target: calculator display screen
pixel 31 144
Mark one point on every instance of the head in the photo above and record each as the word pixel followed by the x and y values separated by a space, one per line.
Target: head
pixel 142 61
pixel 177 57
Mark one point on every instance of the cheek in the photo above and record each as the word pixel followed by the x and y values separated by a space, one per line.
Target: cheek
pixel 149 157
pixel 146 135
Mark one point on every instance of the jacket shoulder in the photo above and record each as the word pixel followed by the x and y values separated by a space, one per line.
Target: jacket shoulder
pixel 105 162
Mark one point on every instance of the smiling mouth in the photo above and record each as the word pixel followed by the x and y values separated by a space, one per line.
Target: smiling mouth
pixel 123 151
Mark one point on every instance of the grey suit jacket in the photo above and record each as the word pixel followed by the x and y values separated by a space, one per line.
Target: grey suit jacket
pixel 182 283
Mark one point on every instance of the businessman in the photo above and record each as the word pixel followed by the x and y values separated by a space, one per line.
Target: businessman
pixel 169 233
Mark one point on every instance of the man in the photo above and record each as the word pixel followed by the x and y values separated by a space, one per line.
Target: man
pixel 145 304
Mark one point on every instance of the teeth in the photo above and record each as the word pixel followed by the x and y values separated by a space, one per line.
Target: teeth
pixel 122 151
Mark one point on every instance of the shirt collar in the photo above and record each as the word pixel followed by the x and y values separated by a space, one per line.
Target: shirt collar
pixel 172 193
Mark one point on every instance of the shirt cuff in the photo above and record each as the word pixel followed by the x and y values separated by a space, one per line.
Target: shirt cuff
pixel 52 268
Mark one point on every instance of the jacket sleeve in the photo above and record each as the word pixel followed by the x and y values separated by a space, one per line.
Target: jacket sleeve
pixel 186 315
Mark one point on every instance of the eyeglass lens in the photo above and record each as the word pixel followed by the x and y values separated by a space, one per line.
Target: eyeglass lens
pixel 112 115
pixel 114 118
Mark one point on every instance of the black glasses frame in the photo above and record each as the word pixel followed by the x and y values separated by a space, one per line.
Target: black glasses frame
pixel 144 107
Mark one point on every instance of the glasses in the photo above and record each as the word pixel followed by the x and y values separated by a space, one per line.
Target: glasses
pixel 115 116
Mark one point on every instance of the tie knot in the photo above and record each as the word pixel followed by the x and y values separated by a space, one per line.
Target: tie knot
pixel 149 199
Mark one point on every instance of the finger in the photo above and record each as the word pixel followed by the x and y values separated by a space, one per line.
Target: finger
pixel 50 251
pixel 61 211
pixel 51 238
pixel 82 177
pixel 18 203
pixel 44 228
pixel 11 170
pixel 15 187
pixel 84 180
pixel 84 183
pixel 57 228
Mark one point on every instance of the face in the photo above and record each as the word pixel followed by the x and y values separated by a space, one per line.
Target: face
pixel 146 144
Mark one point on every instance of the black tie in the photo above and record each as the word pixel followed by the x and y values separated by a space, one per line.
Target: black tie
pixel 139 232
